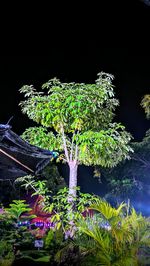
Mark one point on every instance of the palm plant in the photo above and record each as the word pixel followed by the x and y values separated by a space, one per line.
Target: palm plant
pixel 118 234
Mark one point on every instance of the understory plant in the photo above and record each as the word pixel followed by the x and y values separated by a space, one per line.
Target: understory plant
pixel 6 253
pixel 12 231
pixel 118 238
pixel 58 205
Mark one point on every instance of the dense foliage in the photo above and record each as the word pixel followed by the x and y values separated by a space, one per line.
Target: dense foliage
pixel 80 116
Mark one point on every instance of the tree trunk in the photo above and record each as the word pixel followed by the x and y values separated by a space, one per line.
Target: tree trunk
pixel 73 167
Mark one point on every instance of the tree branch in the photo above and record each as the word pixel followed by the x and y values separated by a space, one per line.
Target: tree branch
pixel 71 153
pixel 64 143
pixel 76 152
pixel 139 159
pixel 76 149
pixel 62 158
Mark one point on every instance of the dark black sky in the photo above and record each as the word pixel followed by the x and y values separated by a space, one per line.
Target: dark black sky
pixel 114 38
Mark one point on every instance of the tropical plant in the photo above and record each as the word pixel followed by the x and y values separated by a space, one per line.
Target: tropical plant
pixel 119 238
pixel 64 212
pixel 16 209
pixel 57 204
pixel 81 118
pixel 13 231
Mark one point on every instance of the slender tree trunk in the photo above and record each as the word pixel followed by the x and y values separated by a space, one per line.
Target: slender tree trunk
pixel 73 167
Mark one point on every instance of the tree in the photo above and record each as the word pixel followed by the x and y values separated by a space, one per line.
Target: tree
pixel 145 103
pixel 131 178
pixel 80 116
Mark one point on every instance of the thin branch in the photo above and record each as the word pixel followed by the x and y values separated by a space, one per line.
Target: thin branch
pixel 71 153
pixel 139 159
pixel 62 158
pixel 33 187
pixel 30 184
pixel 76 150
pixel 64 143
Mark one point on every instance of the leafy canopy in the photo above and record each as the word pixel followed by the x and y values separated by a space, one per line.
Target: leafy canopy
pixel 145 103
pixel 81 118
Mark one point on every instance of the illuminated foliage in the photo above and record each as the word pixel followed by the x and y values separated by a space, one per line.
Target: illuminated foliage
pixel 80 116
pixel 145 103
pixel 121 237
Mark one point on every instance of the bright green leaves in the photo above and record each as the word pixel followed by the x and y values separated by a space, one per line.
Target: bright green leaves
pixel 105 148
pixel 119 234
pixel 81 115
pixel 62 209
pixel 39 136
pixel 76 106
pixel 16 209
pixel 106 210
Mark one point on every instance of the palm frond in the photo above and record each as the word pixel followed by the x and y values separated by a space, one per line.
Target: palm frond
pixel 106 210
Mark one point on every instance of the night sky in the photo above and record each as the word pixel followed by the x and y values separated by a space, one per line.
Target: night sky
pixel 114 39
pixel 118 45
